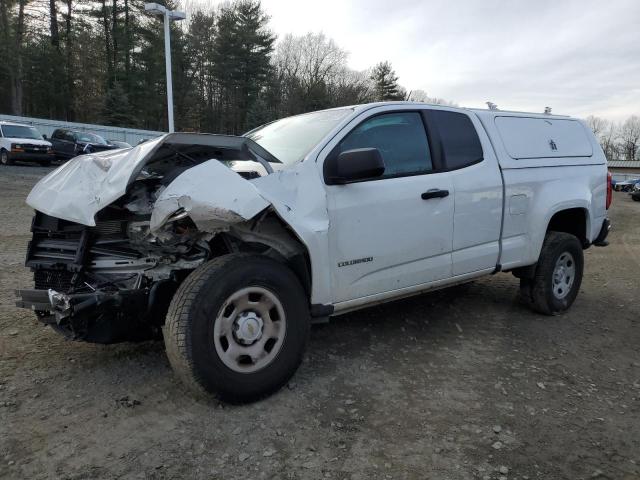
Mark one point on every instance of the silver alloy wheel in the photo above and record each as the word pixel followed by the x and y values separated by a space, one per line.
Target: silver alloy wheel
pixel 4 157
pixel 564 274
pixel 249 329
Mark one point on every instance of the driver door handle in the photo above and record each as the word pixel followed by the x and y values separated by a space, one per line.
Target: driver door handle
pixel 435 193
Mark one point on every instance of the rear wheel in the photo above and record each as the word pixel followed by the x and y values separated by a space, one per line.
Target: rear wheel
pixel 45 163
pixel 5 159
pixel 237 327
pixel 558 275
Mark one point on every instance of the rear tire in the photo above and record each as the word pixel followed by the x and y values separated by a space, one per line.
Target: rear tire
pixel 5 159
pixel 237 327
pixel 45 163
pixel 558 275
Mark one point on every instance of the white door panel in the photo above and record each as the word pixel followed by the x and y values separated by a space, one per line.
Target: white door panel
pixel 384 236
pixel 477 217
pixel 478 200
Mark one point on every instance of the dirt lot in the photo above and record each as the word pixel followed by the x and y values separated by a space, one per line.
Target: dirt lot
pixel 458 384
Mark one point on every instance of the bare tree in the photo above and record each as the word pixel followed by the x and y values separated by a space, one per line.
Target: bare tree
pixel 313 58
pixel 608 140
pixel 353 87
pixel 597 125
pixel 606 133
pixel 309 68
pixel 630 137
pixel 421 96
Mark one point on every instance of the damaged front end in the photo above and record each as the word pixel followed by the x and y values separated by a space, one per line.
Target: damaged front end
pixel 111 282
pixel 112 241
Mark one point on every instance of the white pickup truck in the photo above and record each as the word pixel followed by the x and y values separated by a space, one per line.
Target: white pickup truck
pixel 232 246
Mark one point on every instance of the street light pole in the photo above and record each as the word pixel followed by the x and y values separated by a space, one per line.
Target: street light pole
pixel 168 15
pixel 167 66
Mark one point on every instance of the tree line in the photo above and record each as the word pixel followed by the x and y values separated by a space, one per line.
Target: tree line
pixel 102 61
pixel 620 141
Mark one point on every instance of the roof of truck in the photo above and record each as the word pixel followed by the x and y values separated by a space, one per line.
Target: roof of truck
pixel 513 113
pixel 479 111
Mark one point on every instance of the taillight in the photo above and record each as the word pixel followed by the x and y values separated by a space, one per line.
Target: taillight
pixel 609 190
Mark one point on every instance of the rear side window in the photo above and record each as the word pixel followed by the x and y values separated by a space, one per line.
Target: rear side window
pixel 460 143
pixel 400 138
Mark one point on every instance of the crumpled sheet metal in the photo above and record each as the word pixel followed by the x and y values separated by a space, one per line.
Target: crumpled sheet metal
pixel 212 195
pixel 83 186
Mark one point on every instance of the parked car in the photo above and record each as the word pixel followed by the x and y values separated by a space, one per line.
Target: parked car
pixel 71 143
pixel 23 143
pixel 625 185
pixel 234 245
pixel 119 144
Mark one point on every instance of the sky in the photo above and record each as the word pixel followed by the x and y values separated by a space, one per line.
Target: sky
pixel 580 57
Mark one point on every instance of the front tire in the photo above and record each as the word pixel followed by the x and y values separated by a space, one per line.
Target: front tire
pixel 237 327
pixel 5 159
pixel 558 275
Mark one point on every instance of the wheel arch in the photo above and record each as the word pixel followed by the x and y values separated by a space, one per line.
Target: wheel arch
pixel 560 205
pixel 268 234
pixel 574 220
pixel 570 217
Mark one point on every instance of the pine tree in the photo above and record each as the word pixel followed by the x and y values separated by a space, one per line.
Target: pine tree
pixel 117 109
pixel 386 83
pixel 241 61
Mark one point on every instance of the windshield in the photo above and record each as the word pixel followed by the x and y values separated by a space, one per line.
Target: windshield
pixel 20 131
pixel 292 138
pixel 91 138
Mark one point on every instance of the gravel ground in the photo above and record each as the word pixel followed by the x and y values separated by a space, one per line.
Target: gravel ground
pixel 458 384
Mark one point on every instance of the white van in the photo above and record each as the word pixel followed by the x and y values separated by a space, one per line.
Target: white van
pixel 23 143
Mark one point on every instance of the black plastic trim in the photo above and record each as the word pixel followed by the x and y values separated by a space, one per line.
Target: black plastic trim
pixel 320 310
pixel 601 239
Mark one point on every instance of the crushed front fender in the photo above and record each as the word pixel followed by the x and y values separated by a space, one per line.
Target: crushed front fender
pixel 212 195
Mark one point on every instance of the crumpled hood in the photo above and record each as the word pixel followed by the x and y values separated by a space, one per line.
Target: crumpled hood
pixel 83 186
pixel 211 193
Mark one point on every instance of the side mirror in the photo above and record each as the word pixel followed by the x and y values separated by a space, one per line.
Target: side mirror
pixel 44 137
pixel 357 164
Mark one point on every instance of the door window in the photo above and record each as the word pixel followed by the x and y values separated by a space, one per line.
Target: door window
pixel 400 138
pixel 460 143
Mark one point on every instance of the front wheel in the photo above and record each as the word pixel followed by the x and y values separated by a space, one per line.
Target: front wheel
pixel 237 327
pixel 558 275
pixel 4 158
